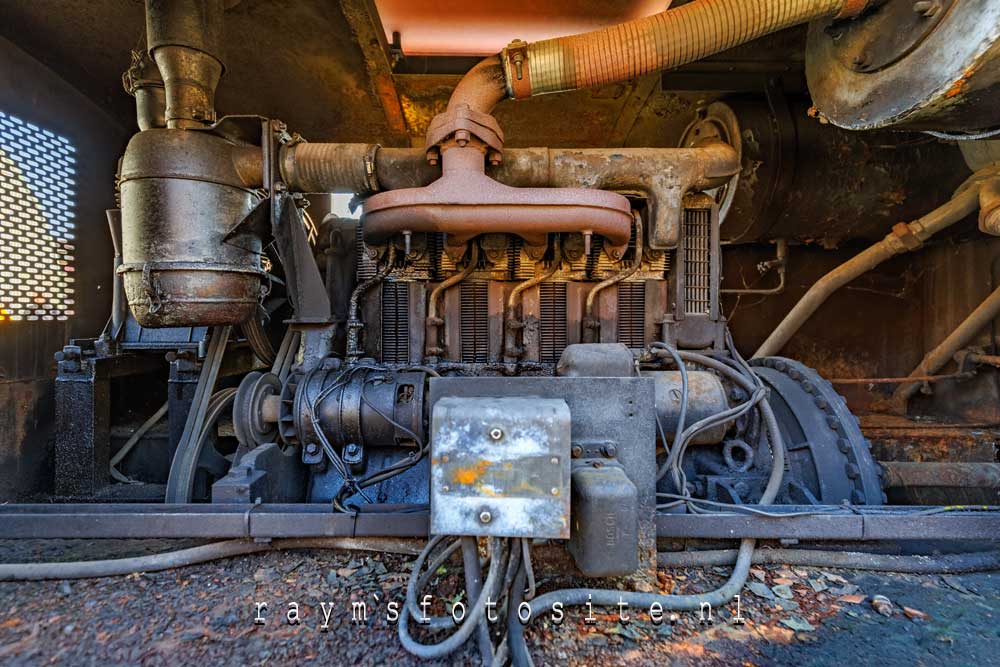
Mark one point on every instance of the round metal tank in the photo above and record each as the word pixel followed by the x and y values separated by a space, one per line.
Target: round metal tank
pixel 180 196
pixel 921 65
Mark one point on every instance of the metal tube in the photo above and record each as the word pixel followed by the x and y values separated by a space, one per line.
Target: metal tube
pixel 590 323
pixel 434 322
pixel 629 50
pixel 354 323
pixel 903 238
pixel 511 324
pixel 979 319
pixel 948 474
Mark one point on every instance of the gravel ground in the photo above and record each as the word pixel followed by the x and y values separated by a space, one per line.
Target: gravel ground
pixel 205 615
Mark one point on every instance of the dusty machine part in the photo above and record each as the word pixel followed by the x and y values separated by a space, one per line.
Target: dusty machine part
pixel 924 65
pixel 696 321
pixel 829 460
pixel 434 320
pixel 142 81
pixel 184 37
pixel 904 238
pixel 500 467
pixel 707 396
pixel 800 178
pixel 181 195
pixel 465 203
pixel 513 323
pixel 714 124
pixel 612 423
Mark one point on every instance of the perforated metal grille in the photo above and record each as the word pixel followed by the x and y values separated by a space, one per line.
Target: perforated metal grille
pixel 37 198
pixel 552 329
pixel 631 314
pixel 697 261
pixel 396 323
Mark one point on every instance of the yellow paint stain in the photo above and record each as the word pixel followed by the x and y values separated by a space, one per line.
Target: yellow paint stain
pixel 470 475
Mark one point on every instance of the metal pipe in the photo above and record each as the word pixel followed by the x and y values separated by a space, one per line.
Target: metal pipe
pixel 629 50
pixel 591 323
pixel 337 167
pixel 934 360
pixel 511 324
pixel 184 37
pixel 902 239
pixel 780 262
pixel 434 322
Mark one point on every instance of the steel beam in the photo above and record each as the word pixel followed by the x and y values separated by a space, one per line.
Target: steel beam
pixel 148 520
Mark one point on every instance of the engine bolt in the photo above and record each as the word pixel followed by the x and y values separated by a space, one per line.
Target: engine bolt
pixel 485 517
pixel 577 451
pixel 496 433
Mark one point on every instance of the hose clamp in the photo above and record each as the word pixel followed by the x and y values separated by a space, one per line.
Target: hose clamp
pixel 517 69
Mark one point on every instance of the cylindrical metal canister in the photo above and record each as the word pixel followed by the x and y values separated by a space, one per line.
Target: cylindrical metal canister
pixel 181 196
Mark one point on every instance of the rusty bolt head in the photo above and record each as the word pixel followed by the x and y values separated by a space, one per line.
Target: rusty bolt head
pixel 485 517
pixel 496 433
pixel 577 451
pixel 462 137
pixel 609 451
pixel 432 156
pixel 495 158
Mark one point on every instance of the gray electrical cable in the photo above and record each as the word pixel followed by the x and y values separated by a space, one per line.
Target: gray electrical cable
pixel 194 555
pixel 848 560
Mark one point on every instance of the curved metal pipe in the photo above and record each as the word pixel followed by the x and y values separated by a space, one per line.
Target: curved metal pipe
pixel 629 50
pixel 590 323
pixel 511 324
pixel 902 239
pixel 433 322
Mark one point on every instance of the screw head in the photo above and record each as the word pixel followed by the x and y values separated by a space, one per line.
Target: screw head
pixel 485 517
pixel 496 433
pixel 577 451
pixel 555 491
pixel 554 460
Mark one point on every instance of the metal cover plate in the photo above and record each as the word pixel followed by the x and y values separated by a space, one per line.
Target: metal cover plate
pixel 500 467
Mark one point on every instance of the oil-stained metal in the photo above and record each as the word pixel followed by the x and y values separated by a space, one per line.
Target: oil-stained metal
pixel 500 466
pixel 181 194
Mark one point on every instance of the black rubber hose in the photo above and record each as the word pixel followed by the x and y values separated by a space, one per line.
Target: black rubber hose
pixel 849 560
pixel 518 647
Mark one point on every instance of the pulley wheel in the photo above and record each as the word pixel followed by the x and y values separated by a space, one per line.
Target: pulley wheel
pixel 248 409
pixel 829 460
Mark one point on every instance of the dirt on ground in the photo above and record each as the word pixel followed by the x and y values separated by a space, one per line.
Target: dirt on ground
pixel 210 614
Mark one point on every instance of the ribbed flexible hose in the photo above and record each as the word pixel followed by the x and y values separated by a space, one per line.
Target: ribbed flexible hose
pixel 662 41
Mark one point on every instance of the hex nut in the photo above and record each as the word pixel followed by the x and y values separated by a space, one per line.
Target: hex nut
pixel 496 433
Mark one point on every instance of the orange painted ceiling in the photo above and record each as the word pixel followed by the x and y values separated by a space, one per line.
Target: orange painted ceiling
pixel 482 27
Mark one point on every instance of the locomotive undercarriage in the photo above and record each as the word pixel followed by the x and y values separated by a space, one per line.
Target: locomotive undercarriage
pixel 514 345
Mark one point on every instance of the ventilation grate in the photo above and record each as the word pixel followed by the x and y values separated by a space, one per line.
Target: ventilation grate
pixel 37 198
pixel 631 314
pixel 475 322
pixel 552 328
pixel 396 323
pixel 697 261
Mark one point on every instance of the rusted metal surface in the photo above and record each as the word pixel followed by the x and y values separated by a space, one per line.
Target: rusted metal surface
pixel 465 203
pixel 943 483
pixel 366 25
pixel 500 467
pixel 905 66
pixel 896 438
